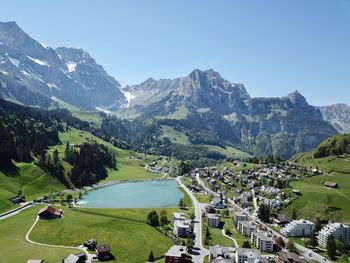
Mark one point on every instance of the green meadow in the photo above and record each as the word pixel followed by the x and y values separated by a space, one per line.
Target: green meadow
pixel 318 201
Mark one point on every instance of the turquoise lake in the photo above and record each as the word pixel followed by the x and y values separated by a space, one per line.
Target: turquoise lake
pixel 134 195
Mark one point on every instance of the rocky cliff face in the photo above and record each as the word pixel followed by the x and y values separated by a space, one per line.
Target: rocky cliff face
pixel 203 100
pixel 68 74
pixel 338 115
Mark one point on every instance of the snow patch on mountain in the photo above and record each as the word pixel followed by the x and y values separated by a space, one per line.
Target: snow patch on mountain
pixel 38 61
pixel 103 110
pixel 14 61
pixel 71 66
pixel 129 97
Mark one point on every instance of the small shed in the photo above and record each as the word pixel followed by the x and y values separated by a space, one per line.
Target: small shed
pixel 103 251
pixel 329 184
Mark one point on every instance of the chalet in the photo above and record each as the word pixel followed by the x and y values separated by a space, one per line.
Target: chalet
pixel 49 212
pixel 330 184
pixel 103 251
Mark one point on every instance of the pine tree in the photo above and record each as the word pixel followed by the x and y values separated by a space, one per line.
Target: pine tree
pixel 331 247
pixel 55 157
pixel 318 225
pixel 294 214
pixel 150 257
pixel 246 244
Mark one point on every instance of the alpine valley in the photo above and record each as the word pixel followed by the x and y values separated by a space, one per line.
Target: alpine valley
pixel 202 108
pixel 190 169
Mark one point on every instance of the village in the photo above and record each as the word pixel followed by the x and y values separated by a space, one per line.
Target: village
pixel 235 197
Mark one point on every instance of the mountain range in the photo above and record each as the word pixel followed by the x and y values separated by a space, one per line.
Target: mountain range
pixel 202 105
pixel 69 74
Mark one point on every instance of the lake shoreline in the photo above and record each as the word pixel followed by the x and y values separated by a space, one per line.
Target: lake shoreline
pixel 102 185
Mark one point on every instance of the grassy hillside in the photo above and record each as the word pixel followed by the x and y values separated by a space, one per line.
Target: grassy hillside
pixel 130 241
pixel 317 200
pixel 14 248
pixel 35 182
pixel 32 180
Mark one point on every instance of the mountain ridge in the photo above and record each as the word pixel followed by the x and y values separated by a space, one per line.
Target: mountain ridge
pixel 69 74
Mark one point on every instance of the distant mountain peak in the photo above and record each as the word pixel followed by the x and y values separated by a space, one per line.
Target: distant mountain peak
pixel 296 97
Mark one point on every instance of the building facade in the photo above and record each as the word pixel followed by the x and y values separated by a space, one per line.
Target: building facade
pixel 337 230
pixel 213 220
pixel 298 228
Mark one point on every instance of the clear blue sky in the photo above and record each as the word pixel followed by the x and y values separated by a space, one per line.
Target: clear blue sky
pixel 273 47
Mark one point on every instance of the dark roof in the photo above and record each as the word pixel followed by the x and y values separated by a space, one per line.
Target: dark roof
pixel 50 209
pixel 330 184
pixel 103 248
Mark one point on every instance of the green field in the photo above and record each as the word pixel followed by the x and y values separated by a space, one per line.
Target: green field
pixel 229 151
pixel 216 236
pixel 131 241
pixel 127 169
pixel 317 200
pixel 33 181
pixel 14 248
pixel 202 198
pixel 173 135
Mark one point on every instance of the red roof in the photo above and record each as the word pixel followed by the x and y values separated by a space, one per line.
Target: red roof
pixel 50 209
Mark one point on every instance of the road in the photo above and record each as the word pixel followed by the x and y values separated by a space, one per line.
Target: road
pixel 199 252
pixel 16 210
pixel 307 253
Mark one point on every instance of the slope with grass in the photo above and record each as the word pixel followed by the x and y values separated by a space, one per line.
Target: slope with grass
pixel 35 182
pixel 14 248
pixel 317 200
pixel 31 179
pixel 131 241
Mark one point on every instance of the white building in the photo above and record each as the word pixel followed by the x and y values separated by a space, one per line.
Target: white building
pixel 240 216
pixel 337 230
pixel 245 255
pixel 182 226
pixel 298 228
pixel 220 254
pixel 217 203
pixel 262 240
pixel 213 220
pixel 246 227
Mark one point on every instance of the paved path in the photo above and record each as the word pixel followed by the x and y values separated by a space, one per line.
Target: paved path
pixel 16 210
pixel 234 240
pixel 89 256
pixel 199 251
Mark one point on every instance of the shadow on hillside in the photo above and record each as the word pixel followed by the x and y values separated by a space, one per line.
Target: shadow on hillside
pixel 9 169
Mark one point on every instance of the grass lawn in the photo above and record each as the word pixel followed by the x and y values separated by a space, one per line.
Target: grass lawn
pixel 131 241
pixel 128 169
pixel 32 180
pixel 216 236
pixel 202 198
pixel 312 201
pixel 173 135
pixel 229 151
pixel 14 248
pixel 235 234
